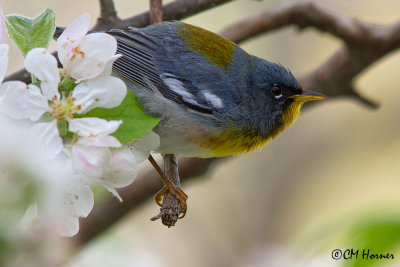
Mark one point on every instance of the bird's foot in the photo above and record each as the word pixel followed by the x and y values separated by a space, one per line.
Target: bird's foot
pixel 176 192
pixel 171 198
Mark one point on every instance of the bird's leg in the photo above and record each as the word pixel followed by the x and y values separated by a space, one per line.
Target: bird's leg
pixel 169 187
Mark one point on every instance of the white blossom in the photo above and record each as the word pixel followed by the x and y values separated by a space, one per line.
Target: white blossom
pixel 70 152
pixel 65 202
pixel 84 56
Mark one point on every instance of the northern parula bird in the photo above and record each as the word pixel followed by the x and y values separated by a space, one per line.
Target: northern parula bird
pixel 213 98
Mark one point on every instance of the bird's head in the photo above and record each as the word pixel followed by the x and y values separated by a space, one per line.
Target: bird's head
pixel 276 88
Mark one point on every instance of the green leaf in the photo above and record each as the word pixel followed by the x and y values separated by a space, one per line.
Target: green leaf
pixel 29 33
pixel 136 121
pixel 374 236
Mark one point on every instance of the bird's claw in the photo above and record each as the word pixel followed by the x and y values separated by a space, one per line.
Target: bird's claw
pixel 177 193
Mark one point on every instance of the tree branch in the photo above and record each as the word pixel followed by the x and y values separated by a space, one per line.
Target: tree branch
pixel 176 10
pixel 108 14
pixel 350 30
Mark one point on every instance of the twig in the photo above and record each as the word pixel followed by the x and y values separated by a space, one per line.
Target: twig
pixel 108 14
pixel 156 11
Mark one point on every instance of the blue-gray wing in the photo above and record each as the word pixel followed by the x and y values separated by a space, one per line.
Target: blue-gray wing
pixel 146 61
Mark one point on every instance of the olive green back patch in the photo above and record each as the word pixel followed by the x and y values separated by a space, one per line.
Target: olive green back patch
pixel 215 48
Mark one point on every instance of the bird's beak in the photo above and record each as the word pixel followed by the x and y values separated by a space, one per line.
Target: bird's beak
pixel 309 96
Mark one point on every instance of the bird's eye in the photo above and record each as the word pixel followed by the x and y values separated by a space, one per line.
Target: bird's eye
pixel 276 91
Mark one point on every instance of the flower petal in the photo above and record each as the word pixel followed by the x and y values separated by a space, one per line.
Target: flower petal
pixel 99 141
pixel 71 37
pixel 112 190
pixel 105 92
pixel 90 161
pixel 47 140
pixel 93 126
pixel 142 147
pixel 61 224
pixel 79 198
pixel 91 57
pixel 63 203
pixel 148 142
pixel 30 220
pixel 122 170
pixel 43 65
pixel 108 68
pixel 140 156
pixel 3 60
pixel 3 29
pixel 20 101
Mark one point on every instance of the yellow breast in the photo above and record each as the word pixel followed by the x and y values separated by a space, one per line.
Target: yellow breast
pixel 233 141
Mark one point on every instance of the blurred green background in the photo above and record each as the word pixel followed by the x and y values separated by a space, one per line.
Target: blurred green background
pixel 330 182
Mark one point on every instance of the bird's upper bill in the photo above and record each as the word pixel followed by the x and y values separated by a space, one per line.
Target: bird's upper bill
pixel 309 96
